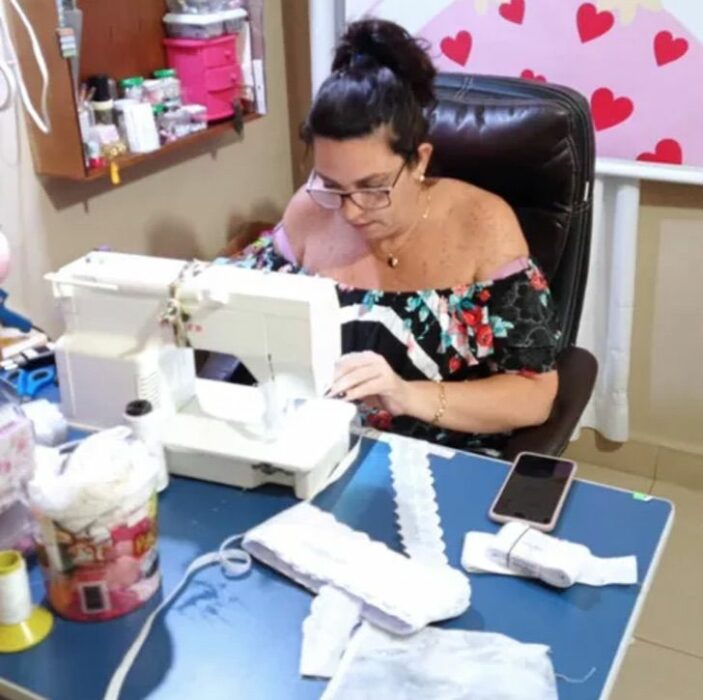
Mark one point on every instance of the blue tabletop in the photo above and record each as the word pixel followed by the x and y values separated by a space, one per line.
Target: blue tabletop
pixel 225 638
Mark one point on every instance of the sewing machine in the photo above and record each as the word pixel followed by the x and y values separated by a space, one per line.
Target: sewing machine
pixel 132 325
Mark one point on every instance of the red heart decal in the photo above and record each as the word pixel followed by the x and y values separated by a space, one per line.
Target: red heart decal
pixel 668 49
pixel 513 11
pixel 591 23
pixel 457 48
pixel 667 151
pixel 609 111
pixel 528 74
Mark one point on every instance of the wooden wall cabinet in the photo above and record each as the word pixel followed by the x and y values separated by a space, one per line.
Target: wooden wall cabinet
pixel 121 38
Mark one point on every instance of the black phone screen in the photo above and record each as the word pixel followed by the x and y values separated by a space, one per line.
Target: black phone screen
pixel 534 488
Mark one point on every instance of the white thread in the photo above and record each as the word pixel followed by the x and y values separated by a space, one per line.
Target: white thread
pixel 15 598
pixel 234 562
pixel 576 681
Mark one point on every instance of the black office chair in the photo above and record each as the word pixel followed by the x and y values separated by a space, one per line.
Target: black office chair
pixel 532 144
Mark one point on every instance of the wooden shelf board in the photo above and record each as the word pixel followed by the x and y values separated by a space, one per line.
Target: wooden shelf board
pixel 212 134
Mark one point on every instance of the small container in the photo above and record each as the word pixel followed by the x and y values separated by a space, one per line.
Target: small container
pixel 198 7
pixel 153 92
pixel 96 512
pixel 102 87
pixel 103 572
pixel 120 107
pixel 203 26
pixel 133 88
pixel 197 117
pixel 170 84
pixel 172 105
pixel 104 112
pixel 164 123
pixel 147 425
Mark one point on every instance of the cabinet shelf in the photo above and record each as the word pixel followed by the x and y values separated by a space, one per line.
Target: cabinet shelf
pixel 219 134
pixel 119 38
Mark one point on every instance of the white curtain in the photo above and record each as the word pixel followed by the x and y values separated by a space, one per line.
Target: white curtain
pixel 606 322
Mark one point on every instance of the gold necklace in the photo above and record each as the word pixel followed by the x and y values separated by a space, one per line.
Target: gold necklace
pixel 392 259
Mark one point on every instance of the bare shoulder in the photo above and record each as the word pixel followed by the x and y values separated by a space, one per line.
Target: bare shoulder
pixel 496 235
pixel 301 217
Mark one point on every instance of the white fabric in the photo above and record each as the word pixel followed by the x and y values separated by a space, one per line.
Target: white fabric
pixel 416 501
pixel 606 321
pixel 399 594
pixel 333 614
pixel 437 664
pixel 50 425
pixel 107 478
pixel 519 550
pixel 327 630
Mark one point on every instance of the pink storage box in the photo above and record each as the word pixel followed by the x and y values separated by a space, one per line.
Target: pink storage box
pixel 209 71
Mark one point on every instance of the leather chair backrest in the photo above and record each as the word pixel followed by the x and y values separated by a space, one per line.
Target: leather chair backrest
pixel 532 144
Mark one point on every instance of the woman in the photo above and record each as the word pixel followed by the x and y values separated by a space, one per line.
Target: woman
pixel 449 329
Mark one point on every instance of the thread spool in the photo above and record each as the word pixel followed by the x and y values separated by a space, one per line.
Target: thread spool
pixel 147 424
pixel 21 626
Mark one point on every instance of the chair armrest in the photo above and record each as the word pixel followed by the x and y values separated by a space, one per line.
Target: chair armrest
pixel 577 370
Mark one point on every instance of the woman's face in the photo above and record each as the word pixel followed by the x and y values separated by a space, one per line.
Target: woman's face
pixel 365 163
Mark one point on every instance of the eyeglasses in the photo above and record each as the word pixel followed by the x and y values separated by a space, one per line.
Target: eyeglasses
pixel 364 198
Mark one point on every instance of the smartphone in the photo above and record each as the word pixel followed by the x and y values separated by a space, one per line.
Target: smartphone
pixel 534 491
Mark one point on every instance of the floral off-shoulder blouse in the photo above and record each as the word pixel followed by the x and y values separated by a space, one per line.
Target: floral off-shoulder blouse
pixel 503 325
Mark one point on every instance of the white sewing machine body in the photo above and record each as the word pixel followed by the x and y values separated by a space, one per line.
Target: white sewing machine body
pixel 132 324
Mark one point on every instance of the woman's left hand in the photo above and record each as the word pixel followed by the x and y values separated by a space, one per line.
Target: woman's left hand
pixel 366 375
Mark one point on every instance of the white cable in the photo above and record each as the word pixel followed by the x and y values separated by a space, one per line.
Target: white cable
pixel 9 76
pixel 234 562
pixel 17 82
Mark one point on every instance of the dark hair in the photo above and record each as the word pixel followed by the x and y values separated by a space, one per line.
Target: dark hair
pixel 381 75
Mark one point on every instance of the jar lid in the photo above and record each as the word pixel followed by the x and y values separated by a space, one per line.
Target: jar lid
pixel 165 73
pixel 134 81
pixel 140 407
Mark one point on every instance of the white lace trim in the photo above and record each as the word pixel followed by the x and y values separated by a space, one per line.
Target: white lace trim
pixel 416 501
pixel 398 594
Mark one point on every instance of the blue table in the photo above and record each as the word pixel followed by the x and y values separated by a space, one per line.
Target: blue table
pixel 241 638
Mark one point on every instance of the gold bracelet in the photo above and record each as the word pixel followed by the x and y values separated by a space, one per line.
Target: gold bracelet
pixel 442 405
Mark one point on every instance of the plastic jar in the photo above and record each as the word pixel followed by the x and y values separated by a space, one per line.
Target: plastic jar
pixel 153 92
pixel 197 117
pixel 97 515
pixel 133 88
pixel 120 106
pixel 103 112
pixel 170 84
pixel 16 468
pixel 163 123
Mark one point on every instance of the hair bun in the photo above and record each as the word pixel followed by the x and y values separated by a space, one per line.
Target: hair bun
pixel 370 44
